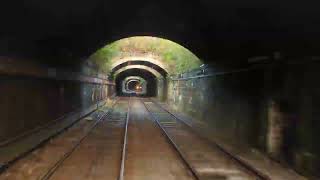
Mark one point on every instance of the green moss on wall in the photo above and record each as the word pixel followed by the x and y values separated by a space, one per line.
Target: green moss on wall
pixel 177 58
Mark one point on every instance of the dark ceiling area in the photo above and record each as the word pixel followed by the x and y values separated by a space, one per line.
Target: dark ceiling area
pixel 64 31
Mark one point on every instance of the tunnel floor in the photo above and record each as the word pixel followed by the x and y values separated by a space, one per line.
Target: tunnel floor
pixel 136 139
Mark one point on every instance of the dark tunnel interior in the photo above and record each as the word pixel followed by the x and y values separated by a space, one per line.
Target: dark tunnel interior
pixel 148 76
pixel 243 75
pixel 132 85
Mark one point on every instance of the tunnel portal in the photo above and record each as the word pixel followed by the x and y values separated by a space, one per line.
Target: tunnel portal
pixel 150 89
pixel 134 85
pixel 203 107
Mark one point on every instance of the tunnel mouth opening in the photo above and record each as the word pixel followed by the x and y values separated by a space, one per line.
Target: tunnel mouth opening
pixel 151 58
pixel 136 82
pixel 134 85
pixel 162 55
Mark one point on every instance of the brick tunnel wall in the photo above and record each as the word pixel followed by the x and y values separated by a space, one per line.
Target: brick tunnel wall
pixel 235 107
pixel 29 102
pixel 227 103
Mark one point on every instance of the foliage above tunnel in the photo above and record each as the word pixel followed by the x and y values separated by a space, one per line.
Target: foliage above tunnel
pixel 176 58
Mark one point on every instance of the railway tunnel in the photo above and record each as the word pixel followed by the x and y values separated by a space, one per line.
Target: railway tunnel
pixel 159 90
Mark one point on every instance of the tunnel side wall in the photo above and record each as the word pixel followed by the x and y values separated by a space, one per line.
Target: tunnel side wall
pixel 29 102
pixel 235 107
pixel 226 103
pixel 162 88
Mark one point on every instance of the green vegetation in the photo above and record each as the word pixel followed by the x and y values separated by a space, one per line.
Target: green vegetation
pixel 177 58
pixel 102 58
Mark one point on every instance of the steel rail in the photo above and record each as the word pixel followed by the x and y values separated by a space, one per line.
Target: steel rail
pixel 192 170
pixel 4 166
pixel 124 147
pixel 47 125
pixel 56 166
pixel 240 162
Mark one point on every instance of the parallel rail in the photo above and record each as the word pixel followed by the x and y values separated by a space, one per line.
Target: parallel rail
pixel 175 121
pixel 181 155
pixel 251 170
pixel 39 128
pixel 52 170
pixel 124 147
pixel 5 165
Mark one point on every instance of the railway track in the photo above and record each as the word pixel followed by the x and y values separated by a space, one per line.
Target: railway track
pixel 149 155
pixel 116 149
pixel 112 126
pixel 205 159
pixel 124 147
pixel 19 146
pixel 49 160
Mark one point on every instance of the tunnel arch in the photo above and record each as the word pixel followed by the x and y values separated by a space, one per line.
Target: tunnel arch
pixel 149 58
pixel 142 83
pixel 132 80
pixel 142 67
pixel 139 86
pixel 161 54
pixel 154 66
pixel 129 82
pixel 56 34
pixel 145 74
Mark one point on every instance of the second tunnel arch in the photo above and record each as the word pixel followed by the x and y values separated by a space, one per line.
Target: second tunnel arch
pixel 138 81
pixel 147 75
pixel 143 63
pixel 162 54
pixel 161 79
pixel 160 57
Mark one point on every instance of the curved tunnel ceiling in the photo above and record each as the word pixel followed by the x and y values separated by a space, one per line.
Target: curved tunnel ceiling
pixel 132 80
pixel 139 67
pixel 133 77
pixel 65 32
pixel 147 57
pixel 161 54
pixel 139 62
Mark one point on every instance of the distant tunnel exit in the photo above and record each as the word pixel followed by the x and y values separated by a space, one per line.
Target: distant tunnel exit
pixel 146 85
pixel 134 85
